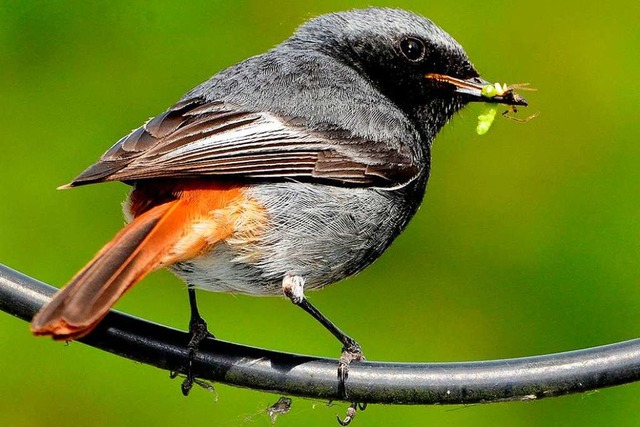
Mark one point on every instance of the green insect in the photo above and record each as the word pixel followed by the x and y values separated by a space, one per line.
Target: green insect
pixel 486 120
pixel 490 91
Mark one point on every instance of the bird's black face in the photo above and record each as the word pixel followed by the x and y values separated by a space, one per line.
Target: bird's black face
pixel 397 64
pixel 409 59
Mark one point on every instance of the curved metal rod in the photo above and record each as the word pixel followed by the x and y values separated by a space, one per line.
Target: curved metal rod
pixel 524 378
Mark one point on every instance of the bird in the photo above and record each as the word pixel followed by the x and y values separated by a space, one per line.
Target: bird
pixel 286 172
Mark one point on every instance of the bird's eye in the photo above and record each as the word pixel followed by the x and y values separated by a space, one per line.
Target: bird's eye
pixel 413 49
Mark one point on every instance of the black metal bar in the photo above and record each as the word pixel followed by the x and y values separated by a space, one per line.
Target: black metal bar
pixel 525 378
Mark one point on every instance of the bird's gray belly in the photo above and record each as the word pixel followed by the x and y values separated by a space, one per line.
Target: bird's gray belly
pixel 321 233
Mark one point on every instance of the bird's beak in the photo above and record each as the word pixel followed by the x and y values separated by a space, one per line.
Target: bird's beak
pixel 475 90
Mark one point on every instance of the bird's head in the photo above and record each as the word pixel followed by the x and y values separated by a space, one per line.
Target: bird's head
pixel 408 58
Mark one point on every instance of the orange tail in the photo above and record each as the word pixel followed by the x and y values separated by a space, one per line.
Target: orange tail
pixel 195 216
pixel 135 251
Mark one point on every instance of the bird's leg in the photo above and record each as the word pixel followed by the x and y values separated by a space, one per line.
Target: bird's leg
pixel 293 288
pixel 197 333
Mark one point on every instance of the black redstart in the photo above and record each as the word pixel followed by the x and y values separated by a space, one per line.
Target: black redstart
pixel 288 171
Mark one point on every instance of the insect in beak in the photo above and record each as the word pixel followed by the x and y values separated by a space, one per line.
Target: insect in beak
pixel 480 90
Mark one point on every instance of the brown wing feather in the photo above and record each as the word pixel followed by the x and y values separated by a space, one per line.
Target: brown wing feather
pixel 196 139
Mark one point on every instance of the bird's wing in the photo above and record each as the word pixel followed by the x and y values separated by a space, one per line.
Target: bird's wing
pixel 196 138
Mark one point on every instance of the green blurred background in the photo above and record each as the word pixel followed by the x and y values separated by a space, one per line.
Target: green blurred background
pixel 527 242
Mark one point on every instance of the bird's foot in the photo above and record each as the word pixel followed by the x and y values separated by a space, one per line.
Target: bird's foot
pixel 350 352
pixel 351 413
pixel 198 332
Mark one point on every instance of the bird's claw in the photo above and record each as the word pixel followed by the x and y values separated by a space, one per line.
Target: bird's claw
pixel 351 413
pixel 350 353
pixel 198 332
